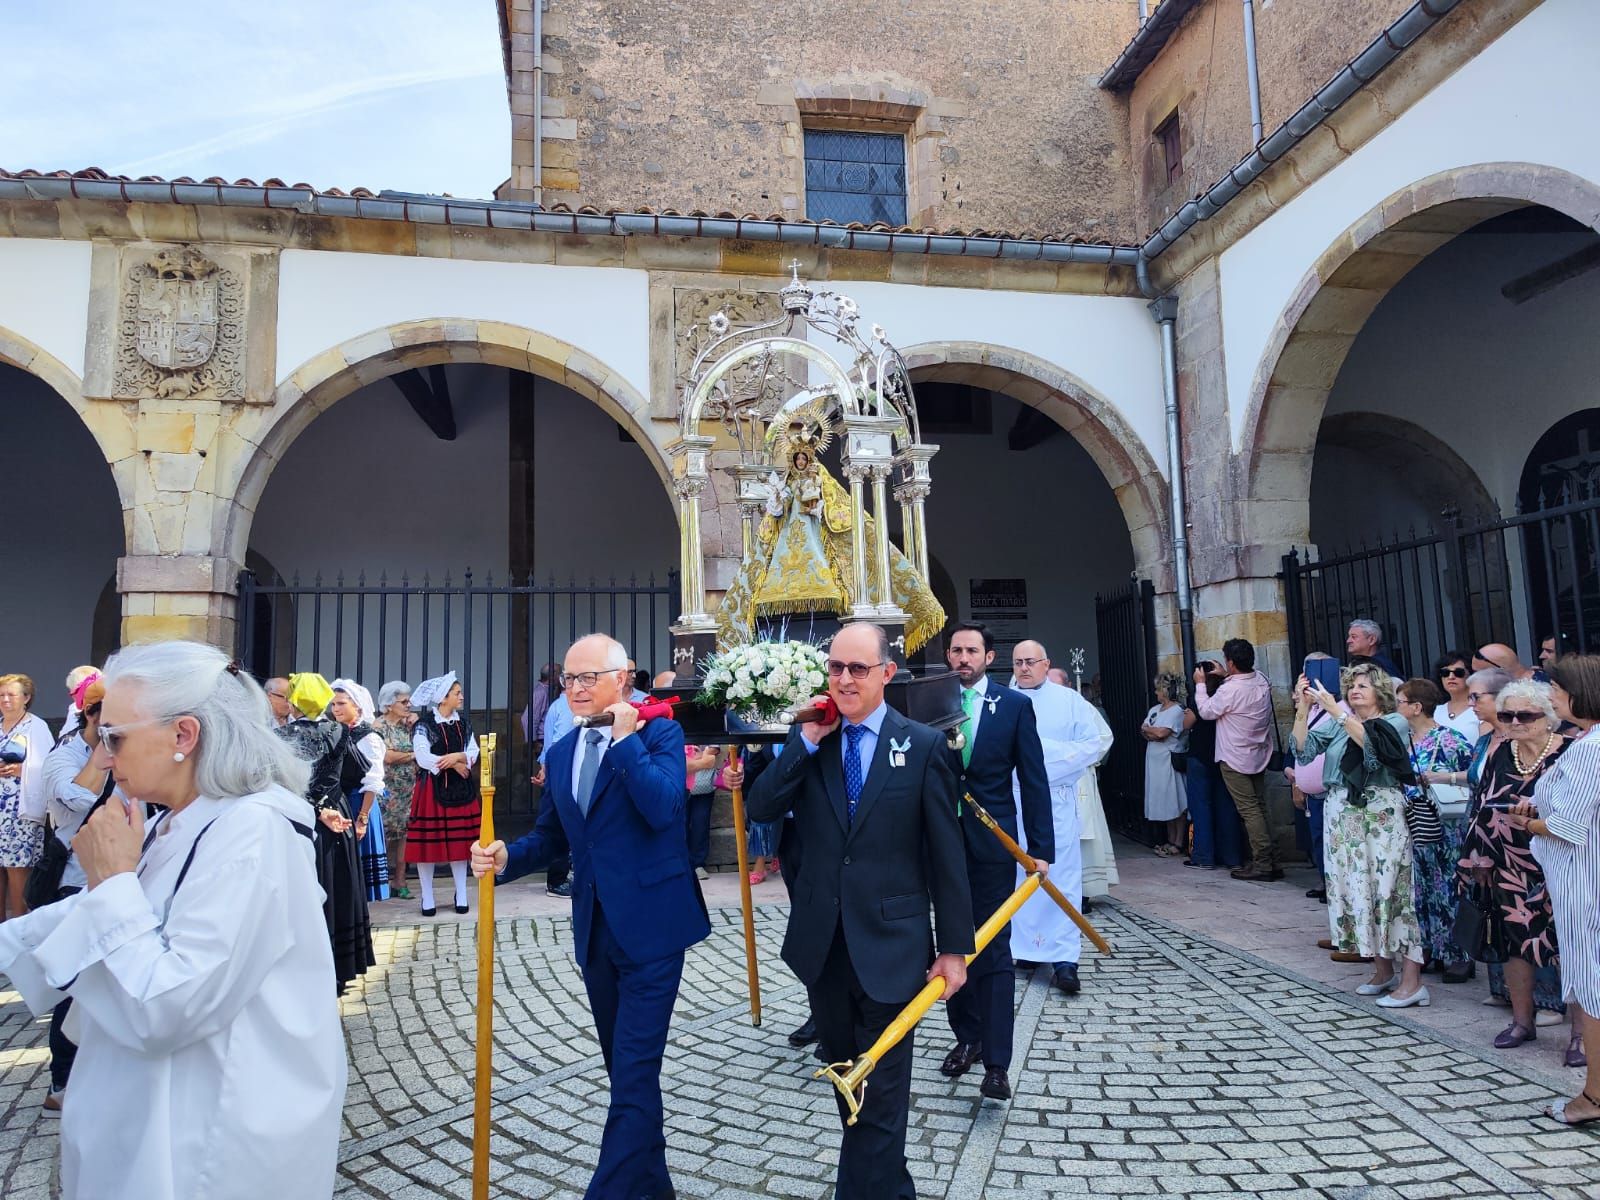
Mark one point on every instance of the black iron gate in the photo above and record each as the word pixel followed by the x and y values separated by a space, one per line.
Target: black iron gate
pixel 1125 624
pixel 1537 572
pixel 496 635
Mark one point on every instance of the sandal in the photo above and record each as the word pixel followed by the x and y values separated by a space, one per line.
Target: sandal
pixel 1558 1112
pixel 1575 1057
pixel 400 893
pixel 757 877
pixel 1513 1035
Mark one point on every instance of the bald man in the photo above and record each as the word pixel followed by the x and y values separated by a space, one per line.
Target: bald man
pixel 1497 654
pixel 614 797
pixel 1069 733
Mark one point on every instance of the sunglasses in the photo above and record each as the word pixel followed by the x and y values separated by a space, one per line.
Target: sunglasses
pixel 1454 673
pixel 1476 696
pixel 857 670
pixel 1520 717
pixel 111 736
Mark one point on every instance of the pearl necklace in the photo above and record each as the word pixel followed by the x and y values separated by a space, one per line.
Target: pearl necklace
pixel 1516 756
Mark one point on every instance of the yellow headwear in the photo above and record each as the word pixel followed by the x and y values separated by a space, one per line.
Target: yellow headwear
pixel 309 693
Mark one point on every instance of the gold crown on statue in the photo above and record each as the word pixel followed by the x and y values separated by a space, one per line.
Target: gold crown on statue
pixel 808 428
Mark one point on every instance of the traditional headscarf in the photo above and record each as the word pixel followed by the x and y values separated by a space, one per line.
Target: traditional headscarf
pixel 309 693
pixel 359 694
pixel 83 686
pixel 429 692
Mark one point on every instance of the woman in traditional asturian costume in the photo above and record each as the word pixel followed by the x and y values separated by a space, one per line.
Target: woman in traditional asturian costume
pixel 321 741
pixel 445 807
pixel 361 780
pixel 210 1059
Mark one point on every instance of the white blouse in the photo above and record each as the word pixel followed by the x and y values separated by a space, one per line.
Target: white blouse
pixel 427 760
pixel 211 1060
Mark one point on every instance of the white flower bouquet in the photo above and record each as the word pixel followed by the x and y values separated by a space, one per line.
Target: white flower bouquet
pixel 764 679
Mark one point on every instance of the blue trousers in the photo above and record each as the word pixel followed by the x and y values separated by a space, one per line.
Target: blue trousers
pixel 632 1005
pixel 1314 821
pixel 1216 822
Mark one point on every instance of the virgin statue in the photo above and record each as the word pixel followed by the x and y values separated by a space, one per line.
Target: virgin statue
pixel 802 559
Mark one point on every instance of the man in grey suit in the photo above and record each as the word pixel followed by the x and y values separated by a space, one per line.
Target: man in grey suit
pixel 875 804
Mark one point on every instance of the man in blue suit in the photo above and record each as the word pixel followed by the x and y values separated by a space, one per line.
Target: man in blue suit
pixel 614 799
pixel 1002 739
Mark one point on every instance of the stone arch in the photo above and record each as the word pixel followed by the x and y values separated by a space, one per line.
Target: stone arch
pixel 1092 420
pixel 108 424
pixel 1436 473
pixel 1327 311
pixel 323 380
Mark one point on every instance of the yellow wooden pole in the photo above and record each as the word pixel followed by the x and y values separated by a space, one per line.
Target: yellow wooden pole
pixel 1050 889
pixel 746 902
pixel 485 1071
pixel 851 1078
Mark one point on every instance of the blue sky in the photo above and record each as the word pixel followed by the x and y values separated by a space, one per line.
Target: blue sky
pixel 405 94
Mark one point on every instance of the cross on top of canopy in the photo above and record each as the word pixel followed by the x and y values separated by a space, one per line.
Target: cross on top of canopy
pixel 761 378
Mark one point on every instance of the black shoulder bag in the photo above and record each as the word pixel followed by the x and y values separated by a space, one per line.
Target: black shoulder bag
pixel 44 883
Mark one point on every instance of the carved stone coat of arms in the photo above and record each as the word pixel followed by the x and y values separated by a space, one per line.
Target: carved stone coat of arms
pixel 180 328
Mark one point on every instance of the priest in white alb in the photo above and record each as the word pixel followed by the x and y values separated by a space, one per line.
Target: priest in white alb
pixel 1069 731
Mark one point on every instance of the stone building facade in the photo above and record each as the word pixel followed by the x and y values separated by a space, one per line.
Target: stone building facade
pixel 197 331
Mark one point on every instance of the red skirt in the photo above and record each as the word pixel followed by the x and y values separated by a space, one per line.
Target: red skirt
pixel 438 834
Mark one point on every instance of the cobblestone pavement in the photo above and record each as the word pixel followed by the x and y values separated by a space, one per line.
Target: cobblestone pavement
pixel 1187 1068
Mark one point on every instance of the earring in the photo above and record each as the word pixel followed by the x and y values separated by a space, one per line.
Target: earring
pixel 178 757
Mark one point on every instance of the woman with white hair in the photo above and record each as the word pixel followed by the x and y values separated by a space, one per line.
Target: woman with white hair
pixel 210 1060
pixel 445 807
pixel 361 779
pixel 399 777
pixel 1497 860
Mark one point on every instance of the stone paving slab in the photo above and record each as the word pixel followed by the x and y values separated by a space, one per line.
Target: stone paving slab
pixel 1187 1068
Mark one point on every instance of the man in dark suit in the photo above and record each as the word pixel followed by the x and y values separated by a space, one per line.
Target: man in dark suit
pixel 614 799
pixel 874 804
pixel 1002 738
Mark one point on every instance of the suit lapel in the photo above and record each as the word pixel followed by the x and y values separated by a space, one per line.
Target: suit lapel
pixel 988 730
pixel 832 752
pixel 559 776
pixel 878 772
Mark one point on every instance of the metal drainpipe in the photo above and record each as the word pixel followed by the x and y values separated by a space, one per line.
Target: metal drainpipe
pixel 538 102
pixel 1144 12
pixel 1256 129
pixel 1165 311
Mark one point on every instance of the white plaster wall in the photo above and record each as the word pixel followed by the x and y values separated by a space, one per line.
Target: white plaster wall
pixel 1526 98
pixel 327 297
pixel 44 295
pixel 1108 342
pixel 64 523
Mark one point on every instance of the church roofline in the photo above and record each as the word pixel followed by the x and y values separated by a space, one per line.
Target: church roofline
pixel 93 184
pixel 1145 45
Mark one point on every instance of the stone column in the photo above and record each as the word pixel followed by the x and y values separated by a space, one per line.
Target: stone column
pixel 190 596
pixel 861 605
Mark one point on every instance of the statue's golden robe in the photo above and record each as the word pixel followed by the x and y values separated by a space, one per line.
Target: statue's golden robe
pixel 802 563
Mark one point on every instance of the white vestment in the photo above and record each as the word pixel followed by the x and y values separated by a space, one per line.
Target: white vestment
pixel 1069 732
pixel 211 1062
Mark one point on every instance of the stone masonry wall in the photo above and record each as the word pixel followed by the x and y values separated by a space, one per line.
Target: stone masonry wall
pixel 688 104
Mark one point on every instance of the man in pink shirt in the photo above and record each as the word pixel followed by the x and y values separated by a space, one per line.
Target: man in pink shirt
pixel 1242 709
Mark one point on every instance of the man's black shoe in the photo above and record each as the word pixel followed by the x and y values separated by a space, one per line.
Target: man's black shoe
pixel 1067 978
pixel 960 1059
pixel 562 889
pixel 995 1085
pixel 804 1035
pixel 1024 964
pixel 1087 906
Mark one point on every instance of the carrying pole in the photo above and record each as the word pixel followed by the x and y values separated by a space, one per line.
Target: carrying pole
pixel 746 901
pixel 485 1067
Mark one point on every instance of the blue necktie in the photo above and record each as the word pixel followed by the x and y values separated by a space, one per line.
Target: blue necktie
pixel 852 765
pixel 589 769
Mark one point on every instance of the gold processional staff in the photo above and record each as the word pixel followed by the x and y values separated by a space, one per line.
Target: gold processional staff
pixel 485 1074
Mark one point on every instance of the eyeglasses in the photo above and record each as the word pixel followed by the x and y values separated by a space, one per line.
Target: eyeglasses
pixel 1519 717
pixel 1454 673
pixel 857 670
pixel 278 695
pixel 111 735
pixel 586 679
pixel 1026 662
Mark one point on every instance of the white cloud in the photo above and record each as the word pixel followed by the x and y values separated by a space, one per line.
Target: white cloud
pixel 405 94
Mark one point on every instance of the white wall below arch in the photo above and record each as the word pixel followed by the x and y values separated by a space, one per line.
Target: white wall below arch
pixel 1526 98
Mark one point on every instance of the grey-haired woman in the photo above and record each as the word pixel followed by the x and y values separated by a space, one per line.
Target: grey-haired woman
pixel 1165 799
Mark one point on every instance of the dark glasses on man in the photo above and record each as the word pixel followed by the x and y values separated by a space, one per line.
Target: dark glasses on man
pixel 857 670
pixel 1518 717
pixel 1454 673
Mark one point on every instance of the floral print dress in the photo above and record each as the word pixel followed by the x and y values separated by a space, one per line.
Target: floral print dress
pixel 1367 862
pixel 1434 863
pixel 1525 925
pixel 399 779
pixel 21 840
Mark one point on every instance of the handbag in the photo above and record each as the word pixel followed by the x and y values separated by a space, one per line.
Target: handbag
pixel 1180 761
pixel 1422 816
pixel 1474 929
pixel 1276 760
pixel 44 882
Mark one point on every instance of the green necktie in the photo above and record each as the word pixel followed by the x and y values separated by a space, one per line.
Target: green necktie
pixel 969 705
